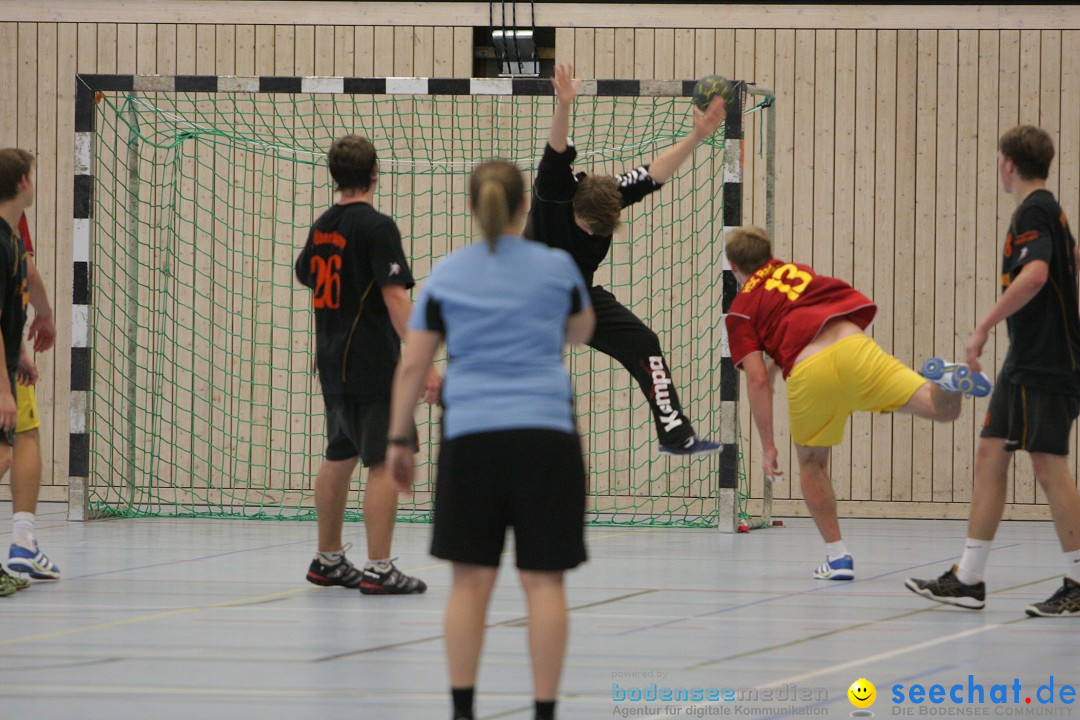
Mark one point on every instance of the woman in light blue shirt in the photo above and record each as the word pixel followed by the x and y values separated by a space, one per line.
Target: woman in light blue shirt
pixel 510 454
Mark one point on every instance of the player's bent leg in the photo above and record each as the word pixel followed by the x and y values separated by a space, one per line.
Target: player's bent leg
pixel 623 336
pixel 933 403
pixel 548 629
pixel 956 377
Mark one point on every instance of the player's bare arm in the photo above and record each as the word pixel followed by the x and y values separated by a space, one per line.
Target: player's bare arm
pixel 706 123
pixel 566 90
pixel 760 391
pixel 42 333
pixel 399 306
pixel 416 363
pixel 1025 286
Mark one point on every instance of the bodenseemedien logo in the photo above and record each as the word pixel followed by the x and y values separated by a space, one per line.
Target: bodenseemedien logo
pixel 862 695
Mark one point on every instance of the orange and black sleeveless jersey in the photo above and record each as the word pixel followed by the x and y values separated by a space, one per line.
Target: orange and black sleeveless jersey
pixel 1044 335
pixel 13 294
pixel 351 252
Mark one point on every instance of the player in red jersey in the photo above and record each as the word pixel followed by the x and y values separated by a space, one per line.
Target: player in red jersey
pixel 811 326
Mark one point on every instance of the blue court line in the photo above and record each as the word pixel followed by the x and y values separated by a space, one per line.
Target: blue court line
pixel 799 711
pixel 796 593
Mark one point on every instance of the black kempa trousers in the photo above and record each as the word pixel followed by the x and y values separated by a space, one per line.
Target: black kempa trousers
pixel 621 335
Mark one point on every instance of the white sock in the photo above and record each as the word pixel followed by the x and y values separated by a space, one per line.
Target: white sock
pixel 835 550
pixel 380 565
pixel 1072 565
pixel 973 562
pixel 22 529
pixel 330 558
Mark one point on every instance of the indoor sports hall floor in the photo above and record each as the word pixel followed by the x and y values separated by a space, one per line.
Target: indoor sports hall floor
pixel 213 619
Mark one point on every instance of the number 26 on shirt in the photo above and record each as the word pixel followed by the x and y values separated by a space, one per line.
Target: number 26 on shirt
pixel 789 280
pixel 327 281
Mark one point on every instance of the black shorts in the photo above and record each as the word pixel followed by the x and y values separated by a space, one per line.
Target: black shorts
pixel 1031 419
pixel 356 427
pixel 531 480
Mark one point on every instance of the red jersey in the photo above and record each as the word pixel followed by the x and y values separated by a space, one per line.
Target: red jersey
pixel 783 307
pixel 24 230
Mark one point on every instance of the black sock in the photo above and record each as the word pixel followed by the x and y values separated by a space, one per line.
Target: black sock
pixel 545 710
pixel 463 702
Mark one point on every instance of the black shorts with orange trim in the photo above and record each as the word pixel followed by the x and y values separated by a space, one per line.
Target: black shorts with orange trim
pixel 1030 419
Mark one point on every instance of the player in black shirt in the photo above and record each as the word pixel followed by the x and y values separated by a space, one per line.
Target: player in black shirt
pixel 16 194
pixel 1037 396
pixel 579 213
pixel 354 262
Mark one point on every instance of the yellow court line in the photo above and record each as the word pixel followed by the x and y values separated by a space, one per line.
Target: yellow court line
pixel 156 616
pixel 215 606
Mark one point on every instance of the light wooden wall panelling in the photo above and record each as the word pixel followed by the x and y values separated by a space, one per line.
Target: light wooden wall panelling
pixel 864 118
pixel 899 231
pixel 1009 90
pixel 988 241
pixel 842 205
pixel 945 271
pixel 965 251
pixel 1000 77
pixel 925 155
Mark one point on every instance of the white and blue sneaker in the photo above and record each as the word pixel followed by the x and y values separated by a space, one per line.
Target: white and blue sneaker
pixel 842 568
pixel 693 446
pixel 32 562
pixel 956 377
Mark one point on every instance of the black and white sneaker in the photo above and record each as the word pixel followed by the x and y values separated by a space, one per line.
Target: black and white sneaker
pixel 949 590
pixel 1064 603
pixel 343 573
pixel 389 582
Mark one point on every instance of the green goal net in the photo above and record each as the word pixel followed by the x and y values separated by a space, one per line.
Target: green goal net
pixel 203 401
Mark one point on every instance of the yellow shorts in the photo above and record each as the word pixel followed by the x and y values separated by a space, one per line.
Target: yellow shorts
pixel 28 417
pixel 850 375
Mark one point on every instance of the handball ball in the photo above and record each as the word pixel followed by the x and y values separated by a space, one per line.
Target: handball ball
pixel 712 86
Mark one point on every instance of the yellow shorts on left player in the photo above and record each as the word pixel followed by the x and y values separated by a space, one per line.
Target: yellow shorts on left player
pixel 28 417
pixel 850 375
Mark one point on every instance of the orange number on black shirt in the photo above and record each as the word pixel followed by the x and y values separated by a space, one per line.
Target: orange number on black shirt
pixel 789 280
pixel 327 282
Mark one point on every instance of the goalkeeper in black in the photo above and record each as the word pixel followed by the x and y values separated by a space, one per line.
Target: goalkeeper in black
pixel 579 213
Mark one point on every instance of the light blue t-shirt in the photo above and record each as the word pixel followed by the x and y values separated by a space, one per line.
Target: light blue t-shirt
pixel 503 315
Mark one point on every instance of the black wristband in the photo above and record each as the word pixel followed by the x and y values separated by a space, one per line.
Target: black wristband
pixel 401 440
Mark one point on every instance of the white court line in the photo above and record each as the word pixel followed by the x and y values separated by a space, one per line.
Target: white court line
pixel 796 679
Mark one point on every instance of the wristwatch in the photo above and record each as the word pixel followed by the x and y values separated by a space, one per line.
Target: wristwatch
pixel 401 440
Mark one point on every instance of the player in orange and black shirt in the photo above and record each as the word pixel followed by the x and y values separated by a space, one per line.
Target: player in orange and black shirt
pixel 579 213
pixel 1037 397
pixel 355 264
pixel 811 326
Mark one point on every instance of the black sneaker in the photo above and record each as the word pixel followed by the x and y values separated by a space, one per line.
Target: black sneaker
pixel 344 573
pixel 391 582
pixel 1064 603
pixel 949 590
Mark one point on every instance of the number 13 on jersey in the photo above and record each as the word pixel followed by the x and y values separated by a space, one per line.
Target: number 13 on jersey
pixel 789 280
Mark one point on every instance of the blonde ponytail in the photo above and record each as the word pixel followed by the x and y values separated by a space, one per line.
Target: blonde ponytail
pixel 496 189
pixel 492 211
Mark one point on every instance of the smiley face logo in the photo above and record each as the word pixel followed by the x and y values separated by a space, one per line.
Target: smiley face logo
pixel 862 693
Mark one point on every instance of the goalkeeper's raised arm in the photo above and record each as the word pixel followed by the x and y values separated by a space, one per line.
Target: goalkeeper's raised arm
pixel 706 123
